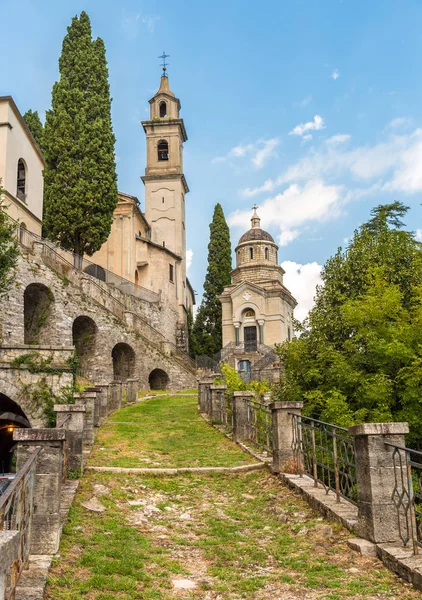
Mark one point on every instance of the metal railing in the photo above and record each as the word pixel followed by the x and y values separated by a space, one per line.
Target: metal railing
pixel 407 494
pixel 259 420
pixel 326 453
pixel 16 509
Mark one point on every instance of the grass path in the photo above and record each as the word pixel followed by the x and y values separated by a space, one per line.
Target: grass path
pixel 227 536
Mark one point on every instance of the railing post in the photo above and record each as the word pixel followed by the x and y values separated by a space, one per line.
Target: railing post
pixel 115 400
pixel 103 393
pixel 240 415
pixel 203 389
pixel 282 423
pixel 218 404
pixel 132 386
pixel 375 478
pixel 88 399
pixel 75 431
pixel 45 528
pixel 9 550
pixel 97 392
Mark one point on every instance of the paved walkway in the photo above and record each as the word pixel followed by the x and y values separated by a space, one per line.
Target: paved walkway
pixel 210 536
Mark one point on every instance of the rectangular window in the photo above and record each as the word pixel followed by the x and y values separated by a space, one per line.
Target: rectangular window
pixel 289 334
pixel 171 272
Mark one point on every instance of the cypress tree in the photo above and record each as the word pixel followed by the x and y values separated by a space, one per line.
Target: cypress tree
pixel 207 330
pixel 35 126
pixel 80 174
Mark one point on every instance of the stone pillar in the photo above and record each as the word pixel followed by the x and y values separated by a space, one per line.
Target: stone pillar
pixel 115 398
pixel 237 333
pixel 282 423
pixel 75 432
pixel 88 399
pixel 203 392
pixel 103 394
pixel 45 528
pixel 97 391
pixel 132 387
pixel 9 549
pixel 375 478
pixel 240 415
pixel 261 331
pixel 218 404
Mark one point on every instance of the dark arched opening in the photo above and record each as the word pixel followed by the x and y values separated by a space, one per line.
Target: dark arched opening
pixel 124 358
pixel 96 271
pixel 11 417
pixel 38 303
pixel 84 331
pixel 163 110
pixel 158 380
pixel 21 180
pixel 163 150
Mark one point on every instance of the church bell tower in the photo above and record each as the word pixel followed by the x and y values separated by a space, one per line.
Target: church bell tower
pixel 165 183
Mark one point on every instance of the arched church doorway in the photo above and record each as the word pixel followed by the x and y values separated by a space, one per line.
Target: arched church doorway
pixel 11 417
pixel 158 380
pixel 84 332
pixel 38 307
pixel 124 359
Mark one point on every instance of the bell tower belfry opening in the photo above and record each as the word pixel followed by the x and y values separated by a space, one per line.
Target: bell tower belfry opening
pixel 165 183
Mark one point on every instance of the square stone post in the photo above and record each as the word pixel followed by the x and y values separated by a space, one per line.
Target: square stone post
pixel 103 393
pixel 9 549
pixel 74 425
pixel 203 392
pixel 132 387
pixel 375 478
pixel 97 402
pixel 282 423
pixel 88 399
pixel 240 415
pixel 218 404
pixel 115 400
pixel 45 528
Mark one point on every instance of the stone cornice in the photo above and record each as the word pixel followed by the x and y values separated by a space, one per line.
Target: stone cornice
pixel 146 178
pixel 159 247
pixel 166 121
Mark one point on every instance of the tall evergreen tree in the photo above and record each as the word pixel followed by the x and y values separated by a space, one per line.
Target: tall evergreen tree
pixel 80 174
pixel 35 126
pixel 207 330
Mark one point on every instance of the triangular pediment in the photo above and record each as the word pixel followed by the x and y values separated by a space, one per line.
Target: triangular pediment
pixel 246 286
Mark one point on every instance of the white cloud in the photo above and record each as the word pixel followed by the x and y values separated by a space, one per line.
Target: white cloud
pixel 340 138
pixel 400 123
pixel 267 186
pixel 335 74
pixel 305 101
pixel 130 26
pixel 302 280
pixel 295 206
pixel 315 125
pixel 307 137
pixel 418 235
pixel 263 154
pixel 258 152
pixel 189 256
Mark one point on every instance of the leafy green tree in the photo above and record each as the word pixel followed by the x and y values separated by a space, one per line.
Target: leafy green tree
pixel 8 249
pixel 207 329
pixel 359 355
pixel 35 126
pixel 80 175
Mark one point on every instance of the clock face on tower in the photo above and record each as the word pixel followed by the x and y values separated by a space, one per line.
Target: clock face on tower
pixel 247 296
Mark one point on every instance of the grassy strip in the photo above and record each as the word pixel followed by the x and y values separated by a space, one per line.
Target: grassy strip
pixel 242 536
pixel 164 432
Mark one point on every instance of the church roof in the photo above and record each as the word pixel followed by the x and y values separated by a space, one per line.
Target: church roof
pixel 255 234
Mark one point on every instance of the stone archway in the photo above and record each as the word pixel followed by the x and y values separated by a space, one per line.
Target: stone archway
pixel 158 380
pixel 124 360
pixel 84 333
pixel 11 417
pixel 38 305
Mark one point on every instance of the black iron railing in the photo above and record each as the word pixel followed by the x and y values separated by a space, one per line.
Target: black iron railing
pixel 326 453
pixel 260 431
pixel 407 494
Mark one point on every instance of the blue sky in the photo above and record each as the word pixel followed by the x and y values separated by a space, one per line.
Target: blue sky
pixel 310 108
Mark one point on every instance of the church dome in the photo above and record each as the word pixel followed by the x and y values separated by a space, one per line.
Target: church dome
pixel 256 234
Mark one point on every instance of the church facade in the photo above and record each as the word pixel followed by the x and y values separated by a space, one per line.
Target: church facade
pixel 257 308
pixel 149 248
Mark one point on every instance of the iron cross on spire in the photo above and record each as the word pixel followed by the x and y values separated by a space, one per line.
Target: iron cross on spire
pixel 164 64
pixel 254 207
